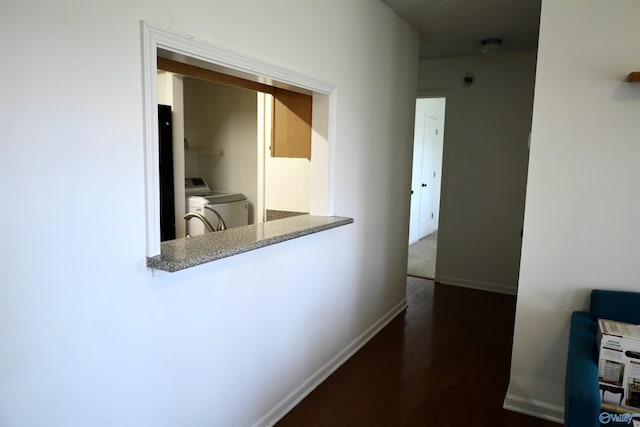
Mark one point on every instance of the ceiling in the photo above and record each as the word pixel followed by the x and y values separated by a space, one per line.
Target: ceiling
pixel 456 27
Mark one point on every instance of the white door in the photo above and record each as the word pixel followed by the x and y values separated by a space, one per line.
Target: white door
pixel 427 168
pixel 426 224
pixel 416 177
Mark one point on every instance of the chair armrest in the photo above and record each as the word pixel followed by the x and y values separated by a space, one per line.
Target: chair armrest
pixel 582 396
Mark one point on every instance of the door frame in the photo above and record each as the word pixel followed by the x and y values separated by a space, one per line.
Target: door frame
pixel 441 238
pixel 435 94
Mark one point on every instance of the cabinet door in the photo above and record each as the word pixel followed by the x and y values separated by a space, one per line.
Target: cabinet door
pixel 291 124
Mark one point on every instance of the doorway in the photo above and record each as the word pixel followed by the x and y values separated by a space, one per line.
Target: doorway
pixel 426 185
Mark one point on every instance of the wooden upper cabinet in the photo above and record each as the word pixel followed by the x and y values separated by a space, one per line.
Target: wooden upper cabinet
pixel 291 135
pixel 291 124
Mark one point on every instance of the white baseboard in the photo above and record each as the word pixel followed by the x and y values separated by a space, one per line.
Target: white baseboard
pixel 290 401
pixel 473 284
pixel 535 408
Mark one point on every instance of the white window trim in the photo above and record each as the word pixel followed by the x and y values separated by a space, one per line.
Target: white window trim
pixel 154 38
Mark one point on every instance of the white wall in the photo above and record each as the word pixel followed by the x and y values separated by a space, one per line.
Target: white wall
pixel 179 163
pixel 287 183
pixel 484 165
pixel 165 88
pixel 583 196
pixel 88 335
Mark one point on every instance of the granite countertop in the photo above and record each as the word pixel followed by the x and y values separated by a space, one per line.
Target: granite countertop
pixel 188 252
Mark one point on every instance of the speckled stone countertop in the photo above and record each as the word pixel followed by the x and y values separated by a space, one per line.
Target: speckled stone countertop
pixel 188 252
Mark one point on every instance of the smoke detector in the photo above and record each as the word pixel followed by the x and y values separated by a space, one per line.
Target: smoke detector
pixel 491 45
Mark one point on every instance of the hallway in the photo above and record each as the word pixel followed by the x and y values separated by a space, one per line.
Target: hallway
pixel 444 362
pixel 422 257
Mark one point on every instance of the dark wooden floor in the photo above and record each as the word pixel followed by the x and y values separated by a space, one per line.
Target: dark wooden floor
pixel 444 362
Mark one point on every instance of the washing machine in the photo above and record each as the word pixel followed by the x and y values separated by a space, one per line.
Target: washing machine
pixel 217 207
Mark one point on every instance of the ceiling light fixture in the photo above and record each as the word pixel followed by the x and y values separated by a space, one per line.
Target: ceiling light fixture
pixel 491 45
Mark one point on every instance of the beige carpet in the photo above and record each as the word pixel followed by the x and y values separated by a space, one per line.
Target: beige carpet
pixel 422 257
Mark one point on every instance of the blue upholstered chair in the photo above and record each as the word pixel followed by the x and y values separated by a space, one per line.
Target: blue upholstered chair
pixel 582 394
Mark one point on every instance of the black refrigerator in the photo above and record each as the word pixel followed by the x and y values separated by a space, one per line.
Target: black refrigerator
pixel 167 210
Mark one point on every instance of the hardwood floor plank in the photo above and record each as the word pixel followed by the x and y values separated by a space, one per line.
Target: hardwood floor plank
pixel 444 362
